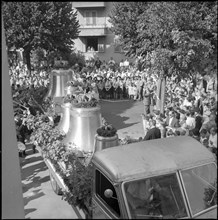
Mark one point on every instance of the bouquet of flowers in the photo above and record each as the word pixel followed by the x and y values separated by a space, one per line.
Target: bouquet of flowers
pixel 79 98
pixel 106 130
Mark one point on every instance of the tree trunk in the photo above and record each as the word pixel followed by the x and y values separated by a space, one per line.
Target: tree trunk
pixel 27 58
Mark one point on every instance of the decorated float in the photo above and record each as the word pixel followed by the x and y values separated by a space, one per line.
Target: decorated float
pixel 68 146
pixel 95 174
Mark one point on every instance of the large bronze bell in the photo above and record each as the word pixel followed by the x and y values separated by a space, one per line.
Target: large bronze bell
pixel 64 123
pixel 58 83
pixel 83 125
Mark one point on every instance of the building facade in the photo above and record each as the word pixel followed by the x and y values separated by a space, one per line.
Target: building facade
pixel 95 38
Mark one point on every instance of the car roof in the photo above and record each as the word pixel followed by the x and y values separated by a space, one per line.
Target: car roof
pixel 153 157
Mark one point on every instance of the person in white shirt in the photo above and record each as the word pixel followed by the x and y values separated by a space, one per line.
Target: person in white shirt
pixel 210 84
pixel 134 90
pixel 190 120
pixel 126 63
pixel 121 63
pixel 145 123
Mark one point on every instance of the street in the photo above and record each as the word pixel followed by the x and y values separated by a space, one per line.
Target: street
pixel 39 199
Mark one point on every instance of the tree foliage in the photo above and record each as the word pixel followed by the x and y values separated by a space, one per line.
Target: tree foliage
pixel 49 25
pixel 181 36
pixel 124 18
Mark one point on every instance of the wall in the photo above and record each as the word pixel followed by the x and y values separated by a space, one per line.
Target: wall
pixel 12 194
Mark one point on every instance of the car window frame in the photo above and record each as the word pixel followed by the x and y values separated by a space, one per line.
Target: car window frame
pixel 101 200
pixel 186 196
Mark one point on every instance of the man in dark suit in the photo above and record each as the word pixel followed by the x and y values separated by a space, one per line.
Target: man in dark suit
pixel 198 121
pixel 153 132
pixel 171 119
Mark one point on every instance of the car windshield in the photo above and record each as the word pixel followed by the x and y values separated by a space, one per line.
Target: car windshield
pixel 201 187
pixel 156 197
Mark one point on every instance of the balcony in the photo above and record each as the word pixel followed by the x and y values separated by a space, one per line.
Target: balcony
pixel 99 30
pixel 88 4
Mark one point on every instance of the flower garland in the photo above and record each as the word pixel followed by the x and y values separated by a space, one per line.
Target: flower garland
pixel 78 95
pixel 78 175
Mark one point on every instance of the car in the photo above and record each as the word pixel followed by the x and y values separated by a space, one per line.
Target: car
pixel 173 177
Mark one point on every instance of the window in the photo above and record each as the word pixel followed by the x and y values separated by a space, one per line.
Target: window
pixel 92 44
pixel 201 187
pixel 156 197
pixel 101 43
pixel 102 183
pixel 95 44
pixel 90 17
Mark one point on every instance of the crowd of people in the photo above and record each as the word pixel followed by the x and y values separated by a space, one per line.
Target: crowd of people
pixel 190 104
pixel 20 76
pixel 190 109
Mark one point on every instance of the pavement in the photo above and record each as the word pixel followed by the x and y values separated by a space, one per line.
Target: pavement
pixel 40 201
pixel 125 116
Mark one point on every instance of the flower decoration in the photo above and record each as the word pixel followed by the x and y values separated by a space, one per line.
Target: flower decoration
pixel 106 130
pixel 79 96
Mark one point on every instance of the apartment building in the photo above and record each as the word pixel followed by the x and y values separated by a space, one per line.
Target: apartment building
pixel 95 38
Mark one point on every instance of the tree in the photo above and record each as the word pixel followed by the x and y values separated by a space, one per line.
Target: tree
pixel 124 18
pixel 176 36
pixel 49 25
